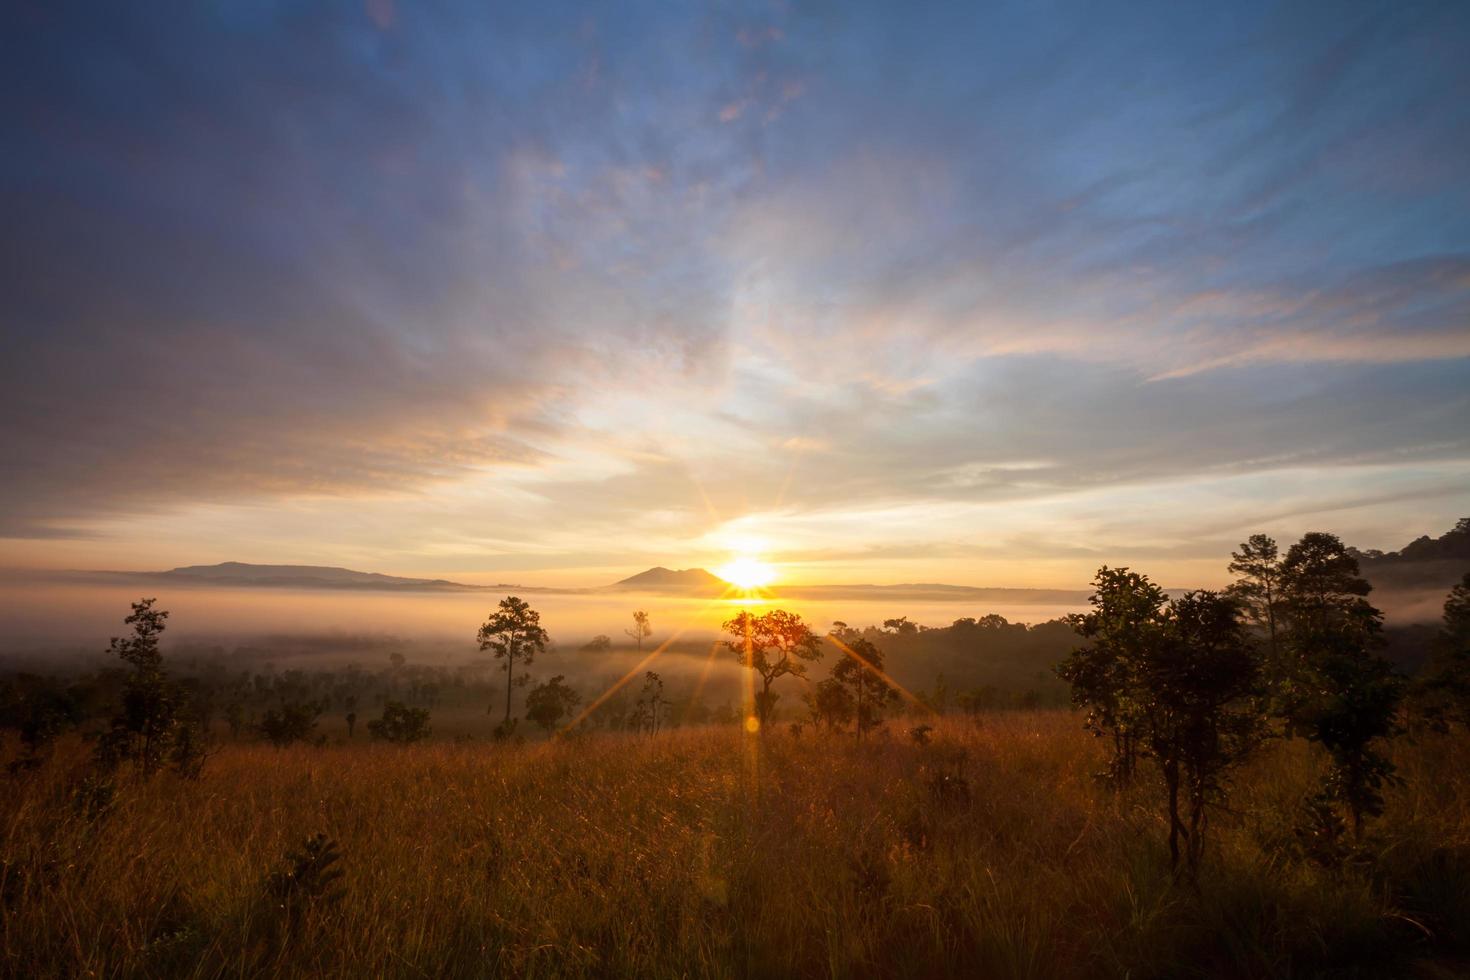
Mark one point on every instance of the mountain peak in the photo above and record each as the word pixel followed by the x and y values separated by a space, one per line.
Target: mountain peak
pixel 661 579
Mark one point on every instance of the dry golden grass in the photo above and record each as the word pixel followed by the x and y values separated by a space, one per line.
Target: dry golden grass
pixel 712 853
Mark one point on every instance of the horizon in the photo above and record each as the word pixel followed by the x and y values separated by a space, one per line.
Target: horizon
pixel 835 295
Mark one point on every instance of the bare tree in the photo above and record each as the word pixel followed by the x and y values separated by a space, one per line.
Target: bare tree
pixel 641 628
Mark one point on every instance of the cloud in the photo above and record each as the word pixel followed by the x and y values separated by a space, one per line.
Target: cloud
pixel 471 280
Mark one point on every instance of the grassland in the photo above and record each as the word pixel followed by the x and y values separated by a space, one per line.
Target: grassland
pixel 990 852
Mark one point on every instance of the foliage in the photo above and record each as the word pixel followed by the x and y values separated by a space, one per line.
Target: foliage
pixel 774 644
pixel 290 721
pixel 1258 586
pixel 1126 622
pixel 514 633
pixel 860 672
pixel 400 723
pixel 1442 695
pixel 548 703
pixel 1336 690
pixel 1202 691
pixel 311 875
pixel 601 643
pixel 144 729
pixel 830 704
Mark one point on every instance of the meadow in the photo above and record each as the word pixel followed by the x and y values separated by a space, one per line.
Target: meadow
pixel 989 850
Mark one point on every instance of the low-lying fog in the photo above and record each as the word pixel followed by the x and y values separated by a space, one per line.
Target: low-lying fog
pixel 37 616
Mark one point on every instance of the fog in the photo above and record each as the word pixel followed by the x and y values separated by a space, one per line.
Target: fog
pixel 66 616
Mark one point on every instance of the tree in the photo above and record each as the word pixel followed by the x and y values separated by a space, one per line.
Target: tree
pixel 1336 690
pixel 641 628
pixel 1444 693
pixel 900 626
pixel 649 711
pixel 514 632
pixel 601 643
pixel 830 704
pixel 548 703
pixel 1126 619
pixel 292 721
pixel 860 672
pixel 1201 689
pixel 400 723
pixel 1258 588
pixel 144 730
pixel 773 644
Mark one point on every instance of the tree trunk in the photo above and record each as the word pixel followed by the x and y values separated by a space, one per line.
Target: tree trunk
pixel 510 662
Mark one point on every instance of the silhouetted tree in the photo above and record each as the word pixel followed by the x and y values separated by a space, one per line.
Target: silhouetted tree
pixel 1443 694
pixel 291 721
pixel 900 626
pixel 144 730
pixel 513 632
pixel 1258 588
pixel 1125 621
pixel 830 703
pixel 1336 690
pixel 601 643
pixel 548 703
pixel 351 723
pixel 400 723
pixel 1201 689
pixel 649 710
pixel 641 628
pixel 860 672
pixel 773 644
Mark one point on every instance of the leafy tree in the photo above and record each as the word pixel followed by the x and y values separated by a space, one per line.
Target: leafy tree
pixel 601 643
pixel 641 628
pixel 400 723
pixel 860 672
pixel 1336 689
pixel 773 644
pixel 1126 620
pixel 548 703
pixel 292 721
pixel 1201 690
pixel 900 626
pixel 144 730
pixel 351 723
pixel 1444 693
pixel 1258 588
pixel 831 704
pixel 514 632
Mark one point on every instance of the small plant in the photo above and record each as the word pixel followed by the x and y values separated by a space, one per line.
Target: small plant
pixel 920 734
pixel 310 877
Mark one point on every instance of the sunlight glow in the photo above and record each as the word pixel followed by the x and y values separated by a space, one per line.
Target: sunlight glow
pixel 746 572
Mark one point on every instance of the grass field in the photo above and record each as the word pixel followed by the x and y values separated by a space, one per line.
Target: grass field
pixel 990 851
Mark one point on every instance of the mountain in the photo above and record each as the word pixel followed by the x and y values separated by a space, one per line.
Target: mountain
pixel 694 581
pixel 235 573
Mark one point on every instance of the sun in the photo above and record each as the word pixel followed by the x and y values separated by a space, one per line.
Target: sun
pixel 746 572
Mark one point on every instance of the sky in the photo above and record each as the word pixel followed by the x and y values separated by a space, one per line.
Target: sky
pixel 988 294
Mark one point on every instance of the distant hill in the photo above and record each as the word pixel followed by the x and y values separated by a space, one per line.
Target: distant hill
pixel 1433 563
pixel 235 573
pixel 694 581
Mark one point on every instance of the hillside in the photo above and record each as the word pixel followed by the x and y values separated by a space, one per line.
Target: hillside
pixel 694 581
pixel 234 573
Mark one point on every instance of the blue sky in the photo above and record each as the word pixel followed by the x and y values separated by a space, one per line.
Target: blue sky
pixel 982 293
